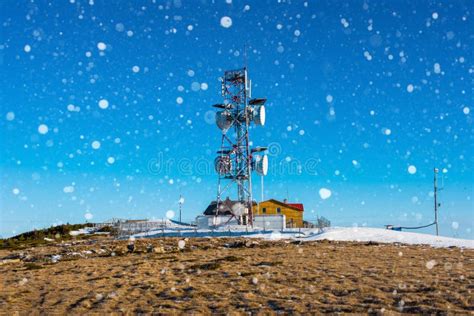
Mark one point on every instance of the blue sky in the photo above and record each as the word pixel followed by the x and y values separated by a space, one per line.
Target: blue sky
pixel 358 92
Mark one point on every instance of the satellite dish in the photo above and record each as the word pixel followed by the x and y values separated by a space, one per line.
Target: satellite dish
pixel 223 165
pixel 238 209
pixel 224 120
pixel 258 149
pixel 259 115
pixel 261 165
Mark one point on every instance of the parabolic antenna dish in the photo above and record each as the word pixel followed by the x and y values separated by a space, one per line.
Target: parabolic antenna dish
pixel 261 165
pixel 238 209
pixel 224 120
pixel 259 115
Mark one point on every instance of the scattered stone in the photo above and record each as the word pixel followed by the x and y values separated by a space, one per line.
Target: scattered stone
pixel 8 261
pixel 160 249
pixel 150 248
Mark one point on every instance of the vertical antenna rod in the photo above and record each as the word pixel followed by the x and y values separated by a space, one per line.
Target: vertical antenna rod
pixel 180 203
pixel 436 199
pixel 245 56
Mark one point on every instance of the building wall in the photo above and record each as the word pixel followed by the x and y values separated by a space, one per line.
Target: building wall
pixel 294 218
pixel 270 222
pixel 211 221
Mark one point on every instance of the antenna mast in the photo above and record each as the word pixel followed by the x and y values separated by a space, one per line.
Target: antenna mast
pixel 236 159
pixel 180 204
pixel 245 56
pixel 435 185
pixel 436 206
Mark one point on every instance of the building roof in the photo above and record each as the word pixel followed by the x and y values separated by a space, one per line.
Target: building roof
pixel 297 205
pixel 225 207
pixel 294 206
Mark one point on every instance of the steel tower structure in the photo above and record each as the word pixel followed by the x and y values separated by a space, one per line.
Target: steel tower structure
pixel 236 159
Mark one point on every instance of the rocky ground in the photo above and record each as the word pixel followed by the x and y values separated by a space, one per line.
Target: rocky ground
pixel 235 275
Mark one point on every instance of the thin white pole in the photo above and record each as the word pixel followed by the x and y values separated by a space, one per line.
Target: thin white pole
pixel 436 200
pixel 180 199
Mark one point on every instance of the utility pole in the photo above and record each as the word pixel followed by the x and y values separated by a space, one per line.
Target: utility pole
pixel 180 203
pixel 436 199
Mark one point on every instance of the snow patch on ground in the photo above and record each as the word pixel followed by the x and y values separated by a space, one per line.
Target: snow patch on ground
pixel 365 234
pixel 357 234
pixel 82 231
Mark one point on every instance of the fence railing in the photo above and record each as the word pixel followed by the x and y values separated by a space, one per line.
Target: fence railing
pixel 320 222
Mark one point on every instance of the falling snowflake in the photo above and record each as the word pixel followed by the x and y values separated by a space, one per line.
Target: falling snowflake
pixel 195 86
pixel 367 55
pixel 119 27
pixel 88 216
pixel 23 281
pixel 430 264
pixel 226 22
pixel 103 104
pixel 344 22
pixel 43 129
pixel 10 116
pixel 325 193
pixel 95 144
pixel 101 46
pixel 170 214
pixel 68 189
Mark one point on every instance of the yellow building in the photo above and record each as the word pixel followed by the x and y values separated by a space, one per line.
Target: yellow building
pixel 292 211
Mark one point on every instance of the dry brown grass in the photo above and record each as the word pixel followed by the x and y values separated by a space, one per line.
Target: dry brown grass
pixel 237 276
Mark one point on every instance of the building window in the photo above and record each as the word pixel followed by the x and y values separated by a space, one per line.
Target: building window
pixel 278 210
pixel 264 210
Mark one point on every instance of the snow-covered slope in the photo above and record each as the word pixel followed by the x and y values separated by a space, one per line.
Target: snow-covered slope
pixel 388 236
pixel 362 234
